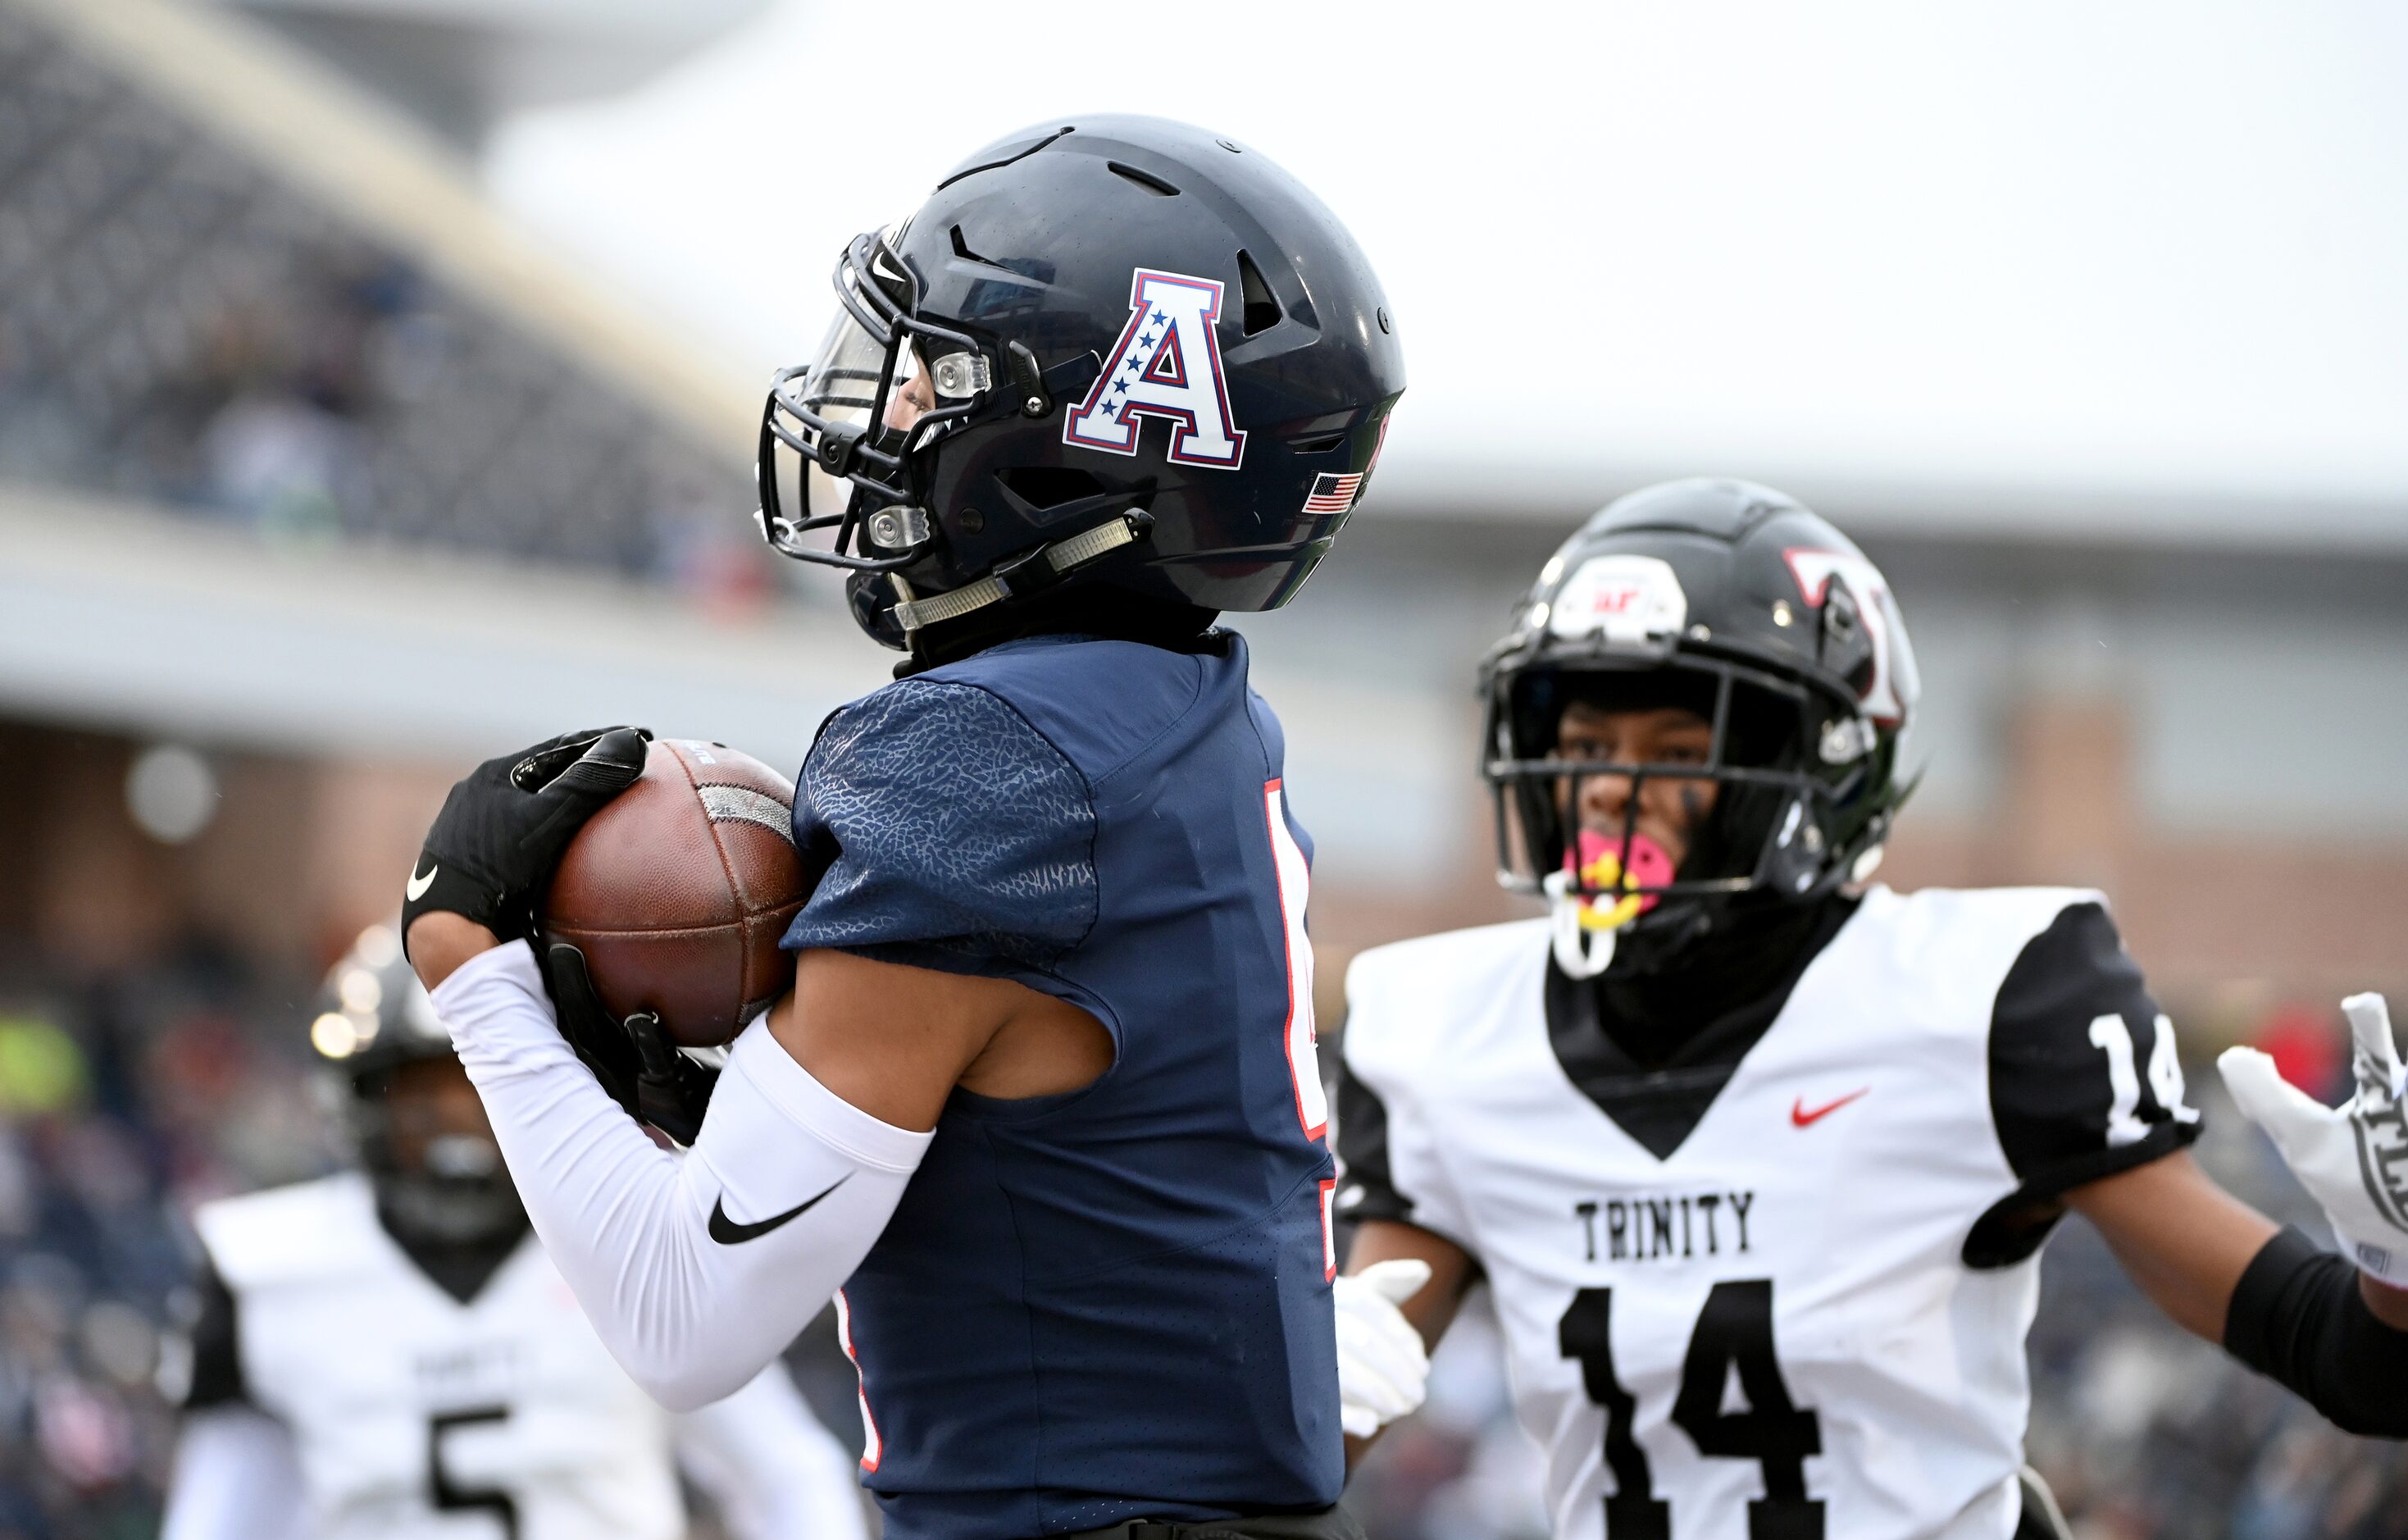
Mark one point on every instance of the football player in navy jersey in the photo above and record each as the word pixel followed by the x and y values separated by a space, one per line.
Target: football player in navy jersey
pixel 1759 1161
pixel 1044 1090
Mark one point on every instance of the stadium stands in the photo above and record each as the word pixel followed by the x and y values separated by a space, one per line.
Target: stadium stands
pixel 229 291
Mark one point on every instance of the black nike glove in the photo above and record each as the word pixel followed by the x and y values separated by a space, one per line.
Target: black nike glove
pixel 492 847
pixel 633 1060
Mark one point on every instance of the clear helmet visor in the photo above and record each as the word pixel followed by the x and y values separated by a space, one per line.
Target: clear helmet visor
pixel 884 384
pixel 843 390
pixel 877 389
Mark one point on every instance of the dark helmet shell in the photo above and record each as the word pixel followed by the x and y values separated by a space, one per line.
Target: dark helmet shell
pixel 373 1015
pixel 1770 618
pixel 1031 249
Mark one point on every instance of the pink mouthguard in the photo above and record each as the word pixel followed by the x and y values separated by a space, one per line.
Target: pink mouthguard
pixel 1599 867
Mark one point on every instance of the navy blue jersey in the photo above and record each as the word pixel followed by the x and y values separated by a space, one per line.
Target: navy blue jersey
pixel 1114 1303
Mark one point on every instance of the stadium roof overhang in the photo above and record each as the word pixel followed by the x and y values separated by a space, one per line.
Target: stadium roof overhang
pixel 1993 512
pixel 117 618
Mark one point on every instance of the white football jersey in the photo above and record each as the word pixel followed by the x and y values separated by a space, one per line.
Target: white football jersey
pixel 416 1416
pixel 1802 1314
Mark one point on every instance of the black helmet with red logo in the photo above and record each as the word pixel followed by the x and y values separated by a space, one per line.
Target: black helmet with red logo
pixel 1737 602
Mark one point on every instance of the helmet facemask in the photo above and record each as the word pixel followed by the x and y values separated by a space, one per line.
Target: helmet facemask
pixel 455 1192
pixel 891 385
pixel 887 384
pixel 1774 833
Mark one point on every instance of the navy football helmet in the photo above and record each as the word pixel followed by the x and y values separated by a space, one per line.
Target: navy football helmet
pixel 1107 352
pixel 1737 602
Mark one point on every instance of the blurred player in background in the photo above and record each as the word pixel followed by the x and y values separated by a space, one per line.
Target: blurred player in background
pixel 1757 1161
pixel 386 1354
pixel 1047 1075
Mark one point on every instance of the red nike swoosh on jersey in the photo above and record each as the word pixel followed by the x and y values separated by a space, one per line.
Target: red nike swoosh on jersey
pixel 1800 1116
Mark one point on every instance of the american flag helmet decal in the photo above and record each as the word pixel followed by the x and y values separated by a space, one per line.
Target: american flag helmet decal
pixel 1333 493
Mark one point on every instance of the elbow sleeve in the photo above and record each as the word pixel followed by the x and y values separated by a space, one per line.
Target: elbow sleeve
pixel 786 1189
pixel 696 1271
pixel 2297 1316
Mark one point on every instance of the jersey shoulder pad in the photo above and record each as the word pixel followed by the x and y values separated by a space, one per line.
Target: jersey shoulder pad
pixel 1930 915
pixel 310 1230
pixel 1941 952
pixel 2085 1079
pixel 1399 994
pixel 948 827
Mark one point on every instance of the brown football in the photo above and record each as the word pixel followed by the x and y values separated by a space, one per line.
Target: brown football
pixel 678 890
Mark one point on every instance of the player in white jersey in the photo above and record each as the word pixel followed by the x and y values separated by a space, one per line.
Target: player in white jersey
pixel 1757 1163
pixel 388 1354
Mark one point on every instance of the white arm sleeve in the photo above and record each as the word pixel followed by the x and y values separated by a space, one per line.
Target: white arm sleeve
pixel 237 1478
pixel 773 1471
pixel 697 1270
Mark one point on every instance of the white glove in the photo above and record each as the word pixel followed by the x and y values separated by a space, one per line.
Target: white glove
pixel 2352 1158
pixel 1383 1369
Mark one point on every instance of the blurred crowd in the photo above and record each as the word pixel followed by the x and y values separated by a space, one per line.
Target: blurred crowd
pixel 127 1100
pixel 122 1103
pixel 181 325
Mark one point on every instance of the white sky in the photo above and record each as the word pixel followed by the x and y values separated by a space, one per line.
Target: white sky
pixel 2154 247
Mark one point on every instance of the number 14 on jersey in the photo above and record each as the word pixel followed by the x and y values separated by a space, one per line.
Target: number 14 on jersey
pixel 1733 1336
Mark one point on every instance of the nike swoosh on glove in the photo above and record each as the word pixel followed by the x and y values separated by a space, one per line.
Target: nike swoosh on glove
pixel 502 829
pixel 1383 1369
pixel 2352 1158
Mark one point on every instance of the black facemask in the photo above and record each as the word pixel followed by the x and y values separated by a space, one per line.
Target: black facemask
pixel 464 1198
pixel 458 1194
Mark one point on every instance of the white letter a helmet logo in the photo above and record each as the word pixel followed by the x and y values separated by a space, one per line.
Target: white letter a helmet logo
pixel 1167 365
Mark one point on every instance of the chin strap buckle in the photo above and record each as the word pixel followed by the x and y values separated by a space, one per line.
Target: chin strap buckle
pixel 1028 573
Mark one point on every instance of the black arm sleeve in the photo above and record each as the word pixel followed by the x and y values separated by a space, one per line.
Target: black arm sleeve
pixel 217 1355
pixel 1367 1190
pixel 2297 1316
pixel 2081 1086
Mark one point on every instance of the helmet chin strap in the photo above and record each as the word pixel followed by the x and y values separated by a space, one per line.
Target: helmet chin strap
pixel 1024 574
pixel 1582 953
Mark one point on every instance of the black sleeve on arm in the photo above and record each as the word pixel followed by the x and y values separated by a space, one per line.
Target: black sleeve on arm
pixel 1367 1190
pixel 2054 1093
pixel 2297 1316
pixel 217 1354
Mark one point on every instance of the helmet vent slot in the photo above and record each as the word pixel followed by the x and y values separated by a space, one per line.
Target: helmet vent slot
pixel 1317 443
pixel 1049 486
pixel 1262 307
pixel 1146 180
pixel 962 249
